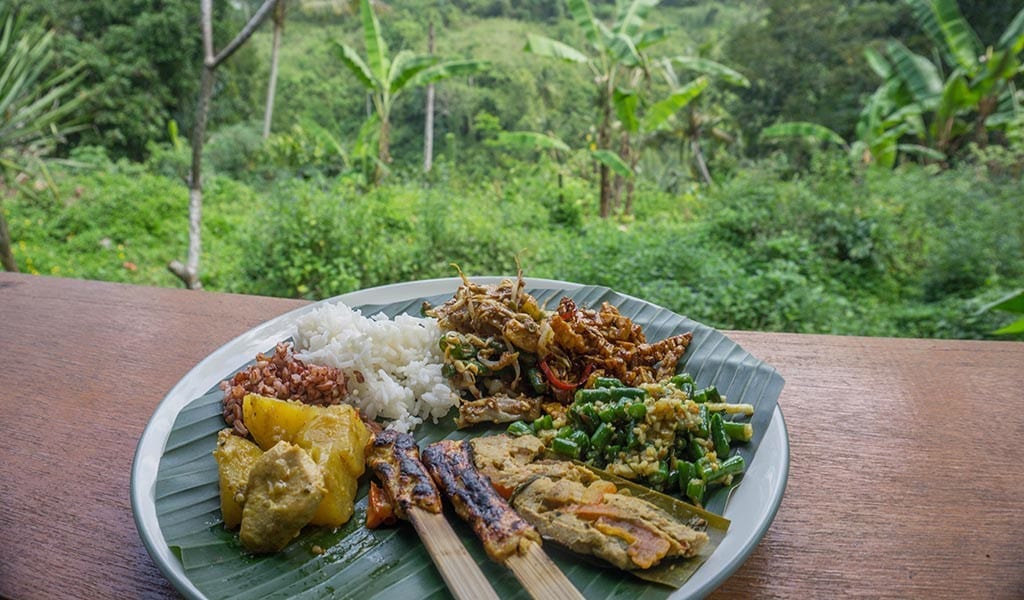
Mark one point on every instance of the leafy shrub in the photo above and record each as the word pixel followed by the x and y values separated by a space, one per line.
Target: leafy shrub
pixel 232 150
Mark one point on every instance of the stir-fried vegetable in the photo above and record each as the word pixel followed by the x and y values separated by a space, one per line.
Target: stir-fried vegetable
pixel 671 436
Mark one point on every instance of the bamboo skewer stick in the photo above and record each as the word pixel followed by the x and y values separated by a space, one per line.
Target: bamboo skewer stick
pixel 458 569
pixel 540 576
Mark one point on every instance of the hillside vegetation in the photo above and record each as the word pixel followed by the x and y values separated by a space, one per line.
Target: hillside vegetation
pixel 711 219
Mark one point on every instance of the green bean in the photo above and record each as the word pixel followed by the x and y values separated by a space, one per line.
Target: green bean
pixel 659 477
pixel 607 394
pixel 581 439
pixel 544 422
pixel 708 394
pixel 565 447
pixel 607 413
pixel 734 465
pixel 565 432
pixel 719 437
pixel 741 432
pixel 696 448
pixel 673 480
pixel 593 395
pixel 705 469
pixel 537 381
pixel 607 382
pixel 587 415
pixel 636 411
pixel 686 471
pixel 519 428
pixel 632 440
pixel 627 392
pixel 695 490
pixel 681 379
pixel 602 436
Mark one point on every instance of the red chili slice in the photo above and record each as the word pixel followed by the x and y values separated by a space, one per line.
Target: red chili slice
pixel 558 383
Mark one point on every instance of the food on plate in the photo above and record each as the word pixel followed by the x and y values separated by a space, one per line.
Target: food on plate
pixel 270 420
pixel 235 457
pixel 285 487
pixel 392 366
pixel 668 435
pixel 505 354
pixel 575 383
pixel 281 375
pixel 501 530
pixel 335 440
pixel 573 506
pixel 394 458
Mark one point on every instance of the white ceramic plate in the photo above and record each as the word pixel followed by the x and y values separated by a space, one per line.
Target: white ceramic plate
pixel 751 507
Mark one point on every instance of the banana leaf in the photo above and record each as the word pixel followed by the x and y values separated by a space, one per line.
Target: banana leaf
pixel 354 562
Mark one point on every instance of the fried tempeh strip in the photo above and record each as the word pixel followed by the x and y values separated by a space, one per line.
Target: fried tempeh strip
pixel 395 459
pixel 502 531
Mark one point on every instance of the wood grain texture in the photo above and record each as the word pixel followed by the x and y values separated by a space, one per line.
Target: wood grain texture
pixel 459 570
pixel 906 475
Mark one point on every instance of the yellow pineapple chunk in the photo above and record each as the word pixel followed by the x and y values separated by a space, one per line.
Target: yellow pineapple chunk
pixel 270 420
pixel 336 440
pixel 235 457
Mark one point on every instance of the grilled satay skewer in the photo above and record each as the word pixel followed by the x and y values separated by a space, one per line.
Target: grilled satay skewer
pixel 394 458
pixel 507 538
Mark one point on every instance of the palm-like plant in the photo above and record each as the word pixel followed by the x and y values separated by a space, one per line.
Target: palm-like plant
pixel 938 113
pixel 615 55
pixel 37 105
pixel 386 78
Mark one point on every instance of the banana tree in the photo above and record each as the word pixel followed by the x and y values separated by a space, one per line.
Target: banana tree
pixel 917 109
pixel 38 105
pixel 386 78
pixel 980 86
pixel 614 56
pixel 698 122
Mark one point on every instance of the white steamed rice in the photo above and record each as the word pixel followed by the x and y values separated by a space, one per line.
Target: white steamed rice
pixel 398 361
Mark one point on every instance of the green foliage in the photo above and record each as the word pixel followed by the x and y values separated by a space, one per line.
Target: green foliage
pixel 777 241
pixel 144 56
pixel 232 150
pixel 37 101
pixel 385 77
pixel 804 60
pixel 119 223
pixel 1012 303
pixel 908 252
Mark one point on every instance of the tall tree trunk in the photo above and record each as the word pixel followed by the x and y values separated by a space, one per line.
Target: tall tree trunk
pixel 383 149
pixel 698 155
pixel 632 158
pixel 620 182
pixel 428 128
pixel 275 50
pixel 603 143
pixel 6 256
pixel 189 272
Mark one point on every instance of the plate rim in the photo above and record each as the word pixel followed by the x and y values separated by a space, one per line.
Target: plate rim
pixel 152 442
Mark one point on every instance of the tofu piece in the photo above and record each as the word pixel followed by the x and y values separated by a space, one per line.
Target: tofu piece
pixel 285 487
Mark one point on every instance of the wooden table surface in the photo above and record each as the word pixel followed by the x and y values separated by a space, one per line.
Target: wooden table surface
pixel 906 477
